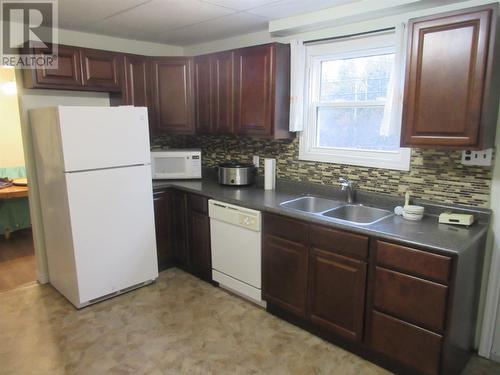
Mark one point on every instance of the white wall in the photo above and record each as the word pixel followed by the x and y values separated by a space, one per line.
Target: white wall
pixel 11 145
pixel 109 43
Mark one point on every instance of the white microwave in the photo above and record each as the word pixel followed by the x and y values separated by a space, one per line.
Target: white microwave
pixel 176 164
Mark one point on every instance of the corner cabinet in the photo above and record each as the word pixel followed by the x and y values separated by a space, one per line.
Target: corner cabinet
pixel 221 65
pixel 244 92
pixel 262 90
pixel 162 201
pixel 452 80
pixel 203 94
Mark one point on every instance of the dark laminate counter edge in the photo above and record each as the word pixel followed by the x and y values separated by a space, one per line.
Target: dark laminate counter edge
pixel 427 234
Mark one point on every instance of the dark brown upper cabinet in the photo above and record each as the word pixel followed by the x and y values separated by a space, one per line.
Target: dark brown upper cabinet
pixel 203 94
pixel 136 86
pixel 222 92
pixel 79 69
pixel 452 84
pixel 262 90
pixel 171 79
pixel 102 70
pixel 68 74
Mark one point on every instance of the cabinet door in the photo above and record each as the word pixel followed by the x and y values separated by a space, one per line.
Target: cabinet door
pixel 203 96
pixel 222 92
pixel 102 70
pixel 136 81
pixel 199 244
pixel 67 75
pixel 254 87
pixel 162 208
pixel 445 79
pixel 180 228
pixel 337 293
pixel 284 274
pixel 172 93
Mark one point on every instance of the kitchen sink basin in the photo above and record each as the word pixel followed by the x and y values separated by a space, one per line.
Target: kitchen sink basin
pixel 310 204
pixel 357 214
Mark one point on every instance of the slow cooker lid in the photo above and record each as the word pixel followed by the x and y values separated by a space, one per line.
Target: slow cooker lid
pixel 235 164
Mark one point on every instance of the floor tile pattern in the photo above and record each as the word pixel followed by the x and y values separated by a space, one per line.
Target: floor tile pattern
pixel 178 325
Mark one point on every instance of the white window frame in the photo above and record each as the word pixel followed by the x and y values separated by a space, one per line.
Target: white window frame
pixel 348 48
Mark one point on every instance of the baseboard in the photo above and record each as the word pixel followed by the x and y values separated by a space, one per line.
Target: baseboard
pixel 43 278
pixel 495 357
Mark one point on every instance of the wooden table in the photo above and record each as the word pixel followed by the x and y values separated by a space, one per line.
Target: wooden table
pixel 10 193
pixel 14 192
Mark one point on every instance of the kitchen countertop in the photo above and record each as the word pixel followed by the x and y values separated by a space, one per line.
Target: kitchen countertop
pixel 426 233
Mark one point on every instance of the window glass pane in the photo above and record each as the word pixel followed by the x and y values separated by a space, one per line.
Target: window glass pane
pixel 356 128
pixel 356 79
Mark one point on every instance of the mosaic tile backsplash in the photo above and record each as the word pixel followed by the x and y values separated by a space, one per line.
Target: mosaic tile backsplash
pixel 435 175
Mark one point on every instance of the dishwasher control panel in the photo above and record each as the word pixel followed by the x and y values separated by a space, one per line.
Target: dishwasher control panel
pixel 229 213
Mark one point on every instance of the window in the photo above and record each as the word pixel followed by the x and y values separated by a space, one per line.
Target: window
pixel 352 108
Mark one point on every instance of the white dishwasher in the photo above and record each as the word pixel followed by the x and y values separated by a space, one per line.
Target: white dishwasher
pixel 235 234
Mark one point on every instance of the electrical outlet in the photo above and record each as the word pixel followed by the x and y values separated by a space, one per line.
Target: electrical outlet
pixel 256 160
pixel 481 158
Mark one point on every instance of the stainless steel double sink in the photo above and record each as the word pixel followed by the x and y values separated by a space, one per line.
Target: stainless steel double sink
pixel 329 208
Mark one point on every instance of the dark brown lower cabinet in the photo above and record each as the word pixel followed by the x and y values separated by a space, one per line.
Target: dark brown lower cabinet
pixel 410 310
pixel 164 248
pixel 199 238
pixel 180 228
pixel 319 285
pixel 183 232
pixel 409 344
pixel 337 293
pixel 284 274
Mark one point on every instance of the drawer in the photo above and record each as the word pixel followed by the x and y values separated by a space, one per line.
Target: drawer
pixel 406 343
pixel 433 266
pixel 198 203
pixel 339 241
pixel 419 301
pixel 283 227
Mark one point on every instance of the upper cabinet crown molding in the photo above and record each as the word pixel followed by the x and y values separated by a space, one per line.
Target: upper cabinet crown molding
pixel 452 83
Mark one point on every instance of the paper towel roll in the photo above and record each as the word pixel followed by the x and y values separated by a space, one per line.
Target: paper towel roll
pixel 269 174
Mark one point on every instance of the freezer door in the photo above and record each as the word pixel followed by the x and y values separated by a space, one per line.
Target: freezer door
pixel 103 137
pixel 112 224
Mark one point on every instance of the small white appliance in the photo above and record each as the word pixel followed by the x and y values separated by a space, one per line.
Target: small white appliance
pixel 94 179
pixel 457 219
pixel 236 249
pixel 176 164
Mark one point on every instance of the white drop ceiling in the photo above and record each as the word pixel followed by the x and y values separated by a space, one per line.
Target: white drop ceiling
pixel 181 22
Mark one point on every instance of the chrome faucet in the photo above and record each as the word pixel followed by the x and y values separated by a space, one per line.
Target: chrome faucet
pixel 350 187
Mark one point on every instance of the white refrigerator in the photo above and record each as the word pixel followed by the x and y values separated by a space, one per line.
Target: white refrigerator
pixel 95 186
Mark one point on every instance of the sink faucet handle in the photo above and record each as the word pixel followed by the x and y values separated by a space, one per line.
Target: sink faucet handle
pixel 346 182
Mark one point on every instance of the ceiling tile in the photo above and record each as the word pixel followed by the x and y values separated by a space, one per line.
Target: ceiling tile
pixel 157 17
pixel 224 27
pixel 241 4
pixel 288 8
pixel 74 13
